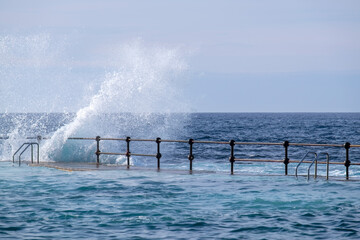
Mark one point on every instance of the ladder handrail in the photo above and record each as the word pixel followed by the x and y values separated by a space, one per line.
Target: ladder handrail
pixel 327 163
pixel 303 160
pixel 315 171
pixel 18 151
pixel 38 153
pixel 32 153
pixel 23 152
pixel 316 160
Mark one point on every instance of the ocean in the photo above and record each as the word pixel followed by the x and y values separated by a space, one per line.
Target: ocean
pixel 113 202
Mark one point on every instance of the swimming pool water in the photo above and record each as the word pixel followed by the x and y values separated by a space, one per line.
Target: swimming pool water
pixel 46 203
pixel 143 203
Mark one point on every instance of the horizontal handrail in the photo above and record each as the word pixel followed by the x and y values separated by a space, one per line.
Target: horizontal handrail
pixel 112 153
pixel 128 154
pixel 230 143
pixel 142 140
pixel 211 142
pixel 81 138
pixel 174 141
pixel 316 145
pixel 259 143
pixel 114 139
pixel 142 155
pixel 201 141
pixel 256 160
pixel 291 161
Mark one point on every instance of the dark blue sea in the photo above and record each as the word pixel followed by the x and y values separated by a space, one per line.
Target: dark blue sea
pixel 113 202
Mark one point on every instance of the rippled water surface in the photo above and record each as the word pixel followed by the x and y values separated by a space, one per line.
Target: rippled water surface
pixel 45 203
pixel 257 202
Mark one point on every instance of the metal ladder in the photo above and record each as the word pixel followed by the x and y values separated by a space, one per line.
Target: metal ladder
pixel 315 160
pixel 24 149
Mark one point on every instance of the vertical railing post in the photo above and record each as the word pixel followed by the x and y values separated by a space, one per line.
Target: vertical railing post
pixel 315 170
pixel 158 154
pixel 286 159
pixel 191 156
pixel 97 150
pixel 347 162
pixel 32 154
pixel 38 153
pixel 232 157
pixel 128 153
pixel 39 138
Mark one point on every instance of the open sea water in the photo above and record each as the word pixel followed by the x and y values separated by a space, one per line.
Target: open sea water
pixel 257 202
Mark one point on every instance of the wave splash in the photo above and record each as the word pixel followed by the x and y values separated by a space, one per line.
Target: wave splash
pixel 138 96
pixel 143 85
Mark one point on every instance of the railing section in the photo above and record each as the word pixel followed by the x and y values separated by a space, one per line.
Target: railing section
pixel 191 142
pixel 232 159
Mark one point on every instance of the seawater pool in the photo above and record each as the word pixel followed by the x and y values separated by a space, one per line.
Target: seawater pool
pixel 47 203
pixel 139 96
pixel 257 202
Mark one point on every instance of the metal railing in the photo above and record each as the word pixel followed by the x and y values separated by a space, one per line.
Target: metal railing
pixel 316 158
pixel 231 157
pixel 32 151
pixel 301 161
pixel 327 164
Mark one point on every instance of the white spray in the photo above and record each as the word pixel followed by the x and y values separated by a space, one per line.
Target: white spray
pixel 144 83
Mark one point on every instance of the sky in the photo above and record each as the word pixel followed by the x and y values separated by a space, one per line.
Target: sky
pixel 242 55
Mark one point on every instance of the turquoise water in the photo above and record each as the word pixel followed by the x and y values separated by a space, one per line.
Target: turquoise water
pixel 137 94
pixel 45 203
pixel 258 202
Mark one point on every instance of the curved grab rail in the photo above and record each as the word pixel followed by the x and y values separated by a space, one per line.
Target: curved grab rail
pixel 296 169
pixel 18 151
pixel 24 151
pixel 316 160
pixel 327 163
pixel 32 153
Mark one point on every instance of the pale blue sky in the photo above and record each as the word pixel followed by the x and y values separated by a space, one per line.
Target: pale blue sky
pixel 243 56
